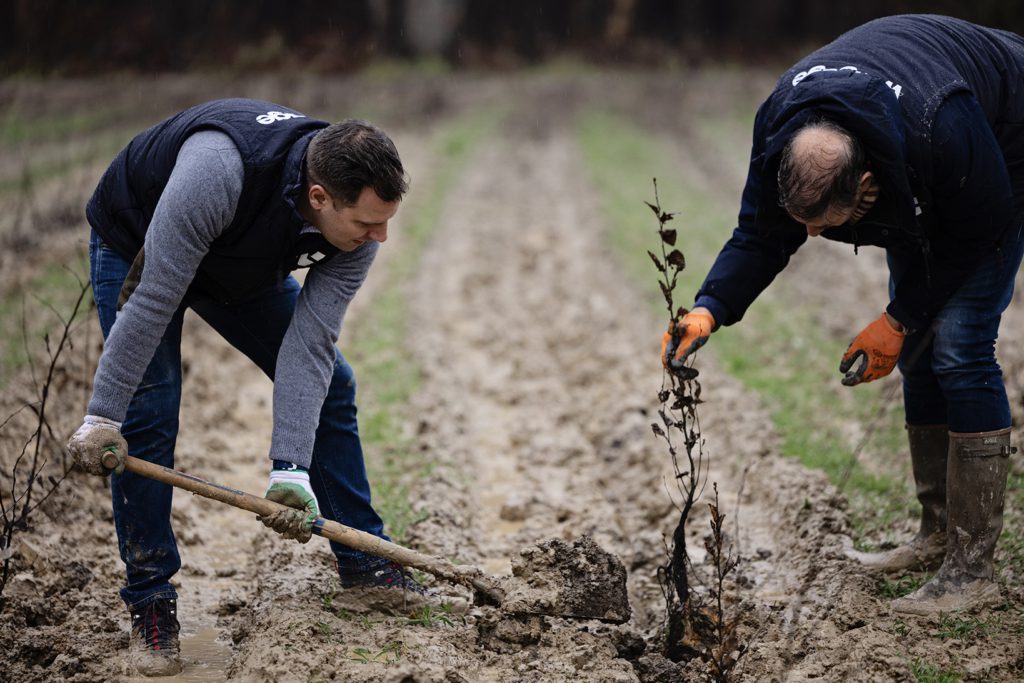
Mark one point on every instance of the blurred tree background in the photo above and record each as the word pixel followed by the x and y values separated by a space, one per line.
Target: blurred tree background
pixel 75 37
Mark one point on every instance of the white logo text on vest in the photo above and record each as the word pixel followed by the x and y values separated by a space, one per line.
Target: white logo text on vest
pixel 271 116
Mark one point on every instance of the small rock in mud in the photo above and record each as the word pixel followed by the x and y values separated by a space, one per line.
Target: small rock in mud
pixel 629 643
pixel 31 556
pixel 568 580
pixel 516 509
pixel 654 668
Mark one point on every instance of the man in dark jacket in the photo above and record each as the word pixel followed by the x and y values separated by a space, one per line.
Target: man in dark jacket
pixel 210 210
pixel 905 133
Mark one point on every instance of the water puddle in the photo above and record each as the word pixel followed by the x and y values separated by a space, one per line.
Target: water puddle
pixel 212 564
pixel 500 530
pixel 204 655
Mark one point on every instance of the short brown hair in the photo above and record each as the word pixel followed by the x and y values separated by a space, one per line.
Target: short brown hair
pixel 347 156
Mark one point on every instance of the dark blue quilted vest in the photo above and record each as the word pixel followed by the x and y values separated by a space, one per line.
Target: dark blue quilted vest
pixel 263 242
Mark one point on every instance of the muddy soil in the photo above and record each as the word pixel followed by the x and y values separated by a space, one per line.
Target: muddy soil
pixel 534 411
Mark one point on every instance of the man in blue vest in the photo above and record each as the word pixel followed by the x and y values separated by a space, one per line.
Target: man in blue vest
pixel 906 133
pixel 211 210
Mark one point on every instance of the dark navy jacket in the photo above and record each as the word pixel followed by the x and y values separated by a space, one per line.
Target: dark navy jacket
pixel 263 241
pixel 939 105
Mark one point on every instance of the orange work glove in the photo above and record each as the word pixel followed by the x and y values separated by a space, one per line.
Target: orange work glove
pixel 685 336
pixel 877 347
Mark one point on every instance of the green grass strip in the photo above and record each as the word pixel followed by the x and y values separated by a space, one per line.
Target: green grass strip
pixel 35 310
pixel 99 150
pixel 924 672
pixel 380 349
pixel 777 350
pixel 19 128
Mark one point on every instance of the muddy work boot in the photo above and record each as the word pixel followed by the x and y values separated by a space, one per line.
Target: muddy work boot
pixel 153 648
pixel 929 448
pixel 389 588
pixel 978 465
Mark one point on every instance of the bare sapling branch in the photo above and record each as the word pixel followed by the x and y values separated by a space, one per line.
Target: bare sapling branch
pixel 28 488
pixel 722 648
pixel 697 626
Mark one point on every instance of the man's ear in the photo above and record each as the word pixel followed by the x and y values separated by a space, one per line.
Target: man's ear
pixel 318 196
pixel 867 179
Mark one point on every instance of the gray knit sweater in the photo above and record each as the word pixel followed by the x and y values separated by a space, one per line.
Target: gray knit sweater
pixel 196 206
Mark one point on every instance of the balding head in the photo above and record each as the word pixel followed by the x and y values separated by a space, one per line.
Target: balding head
pixel 820 170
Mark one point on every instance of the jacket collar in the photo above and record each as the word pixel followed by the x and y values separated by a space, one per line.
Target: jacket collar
pixel 293 177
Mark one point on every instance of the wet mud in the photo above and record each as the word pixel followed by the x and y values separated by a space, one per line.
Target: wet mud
pixel 533 409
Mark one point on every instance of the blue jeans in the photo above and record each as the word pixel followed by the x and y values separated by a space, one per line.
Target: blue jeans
pixel 142 507
pixel 950 373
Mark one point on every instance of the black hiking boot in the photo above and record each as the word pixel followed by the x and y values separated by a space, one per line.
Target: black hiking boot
pixel 389 589
pixel 153 648
pixel 391 575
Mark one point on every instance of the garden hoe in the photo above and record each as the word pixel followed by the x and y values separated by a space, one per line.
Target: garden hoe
pixel 555 578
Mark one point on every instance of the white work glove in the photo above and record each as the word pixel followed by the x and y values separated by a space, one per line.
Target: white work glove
pixel 97 437
pixel 291 487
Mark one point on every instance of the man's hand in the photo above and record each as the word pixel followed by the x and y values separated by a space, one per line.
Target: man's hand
pixel 692 331
pixel 877 348
pixel 291 487
pixel 94 439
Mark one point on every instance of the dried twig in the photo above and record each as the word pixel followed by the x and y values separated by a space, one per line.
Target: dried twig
pixel 25 498
pixel 722 644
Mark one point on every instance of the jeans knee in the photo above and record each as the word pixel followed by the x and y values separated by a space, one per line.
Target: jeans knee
pixel 344 376
pixel 964 338
pixel 343 383
pixel 338 413
pixel 958 370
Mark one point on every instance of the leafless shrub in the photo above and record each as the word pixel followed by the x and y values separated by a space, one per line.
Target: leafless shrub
pixel 722 649
pixel 697 624
pixel 24 487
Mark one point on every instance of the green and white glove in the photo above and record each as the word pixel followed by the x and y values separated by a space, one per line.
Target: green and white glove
pixel 289 485
pixel 97 437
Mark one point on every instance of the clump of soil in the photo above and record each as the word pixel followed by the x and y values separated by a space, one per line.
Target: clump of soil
pixel 578 579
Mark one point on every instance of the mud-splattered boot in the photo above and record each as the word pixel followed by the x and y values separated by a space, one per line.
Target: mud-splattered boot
pixel 929 447
pixel 978 465
pixel 154 648
pixel 389 589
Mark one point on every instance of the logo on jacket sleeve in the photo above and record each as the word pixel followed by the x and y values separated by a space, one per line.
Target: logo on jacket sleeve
pixel 310 259
pixel 272 116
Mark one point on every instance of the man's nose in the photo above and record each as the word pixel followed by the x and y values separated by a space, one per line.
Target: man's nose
pixel 379 234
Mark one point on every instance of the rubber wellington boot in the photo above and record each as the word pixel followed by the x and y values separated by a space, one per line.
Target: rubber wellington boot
pixel 929 448
pixel 978 465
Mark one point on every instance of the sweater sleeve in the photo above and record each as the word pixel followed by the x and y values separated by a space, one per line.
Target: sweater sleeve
pixel 759 249
pixel 973 204
pixel 197 204
pixel 305 363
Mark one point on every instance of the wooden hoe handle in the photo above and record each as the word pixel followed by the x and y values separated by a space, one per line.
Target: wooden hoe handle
pixel 347 536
